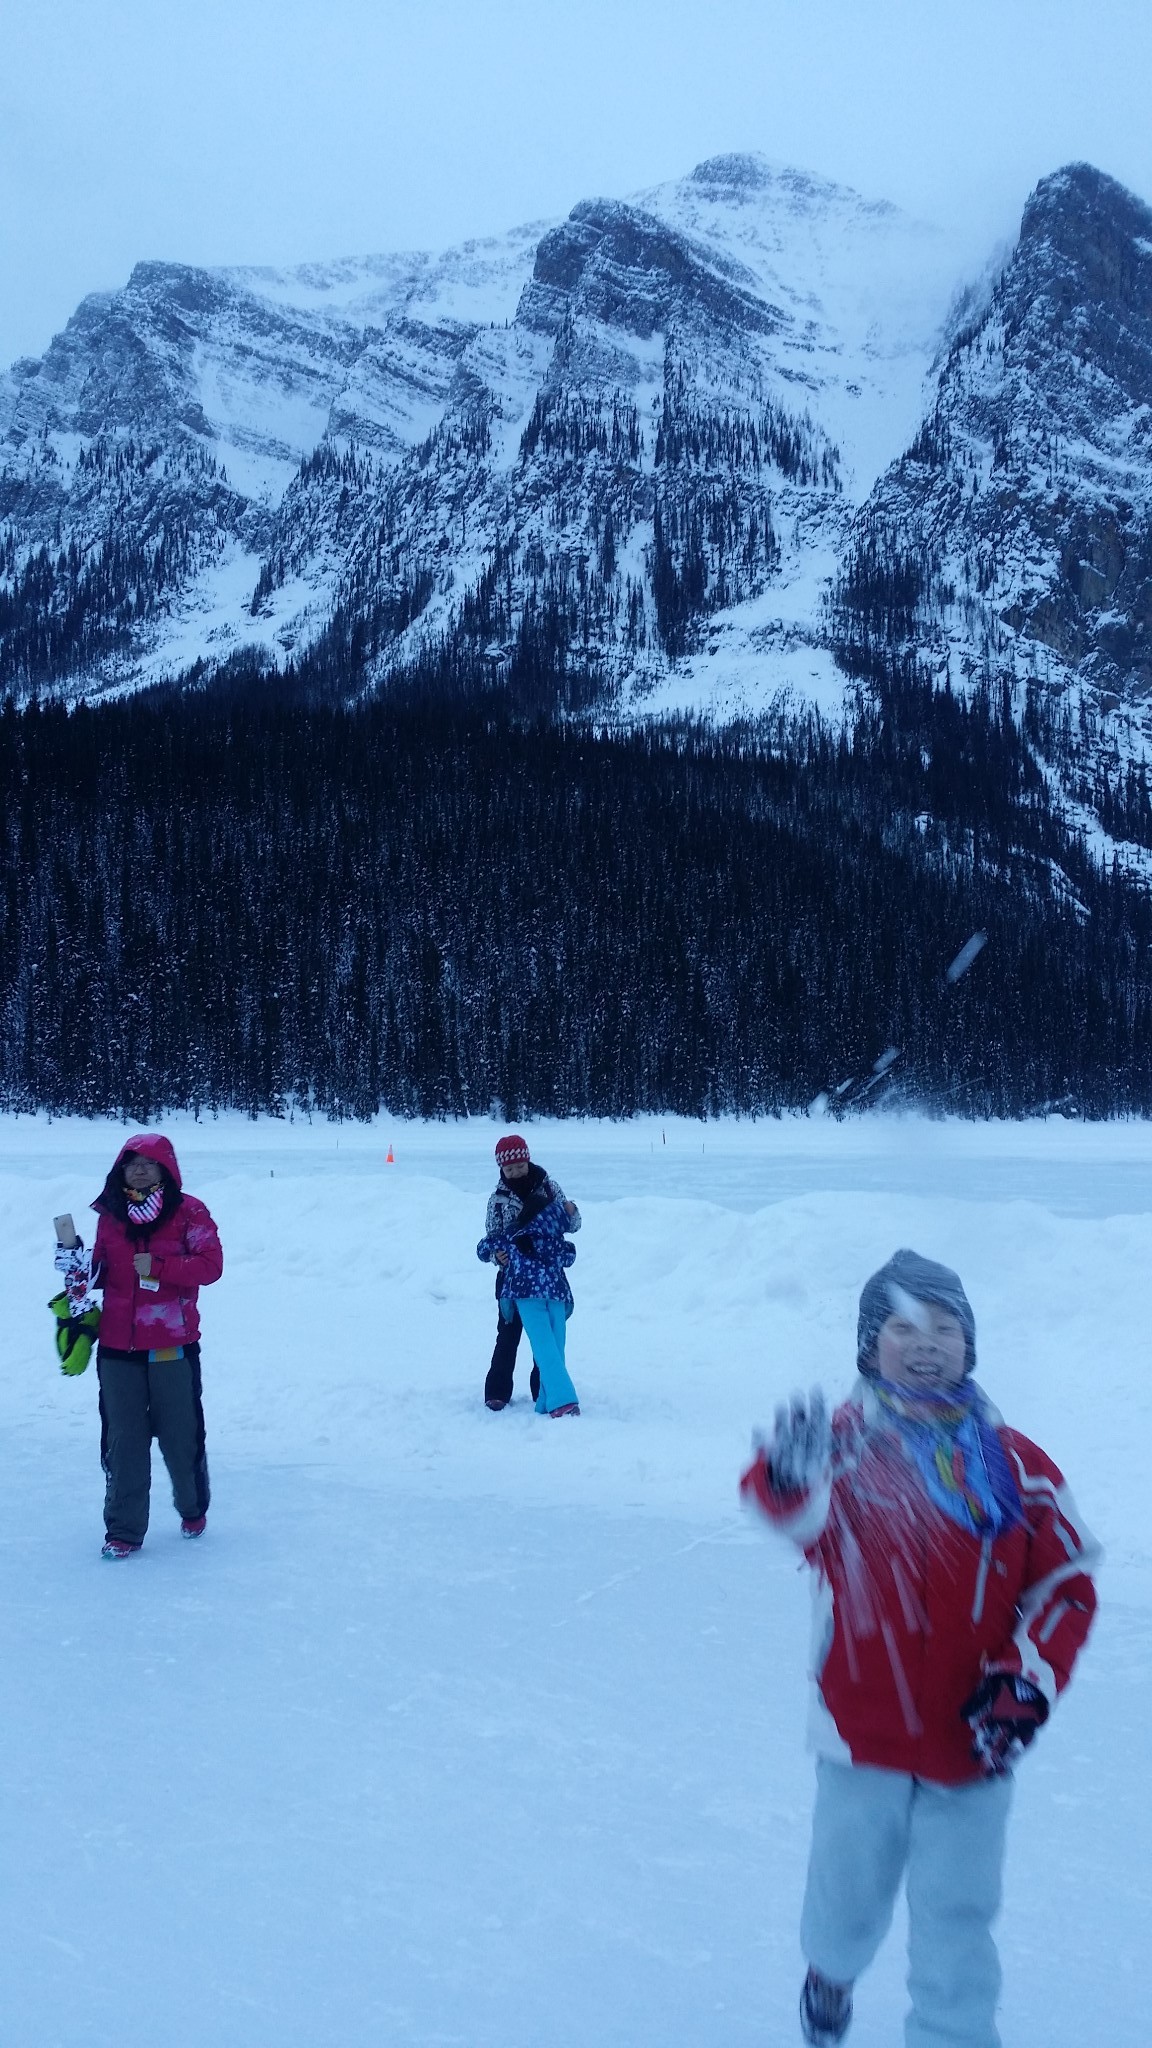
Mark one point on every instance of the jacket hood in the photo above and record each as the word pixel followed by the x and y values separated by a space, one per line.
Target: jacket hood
pixel 151 1145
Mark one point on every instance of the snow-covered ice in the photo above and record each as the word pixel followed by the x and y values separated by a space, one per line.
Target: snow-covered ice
pixel 472 1729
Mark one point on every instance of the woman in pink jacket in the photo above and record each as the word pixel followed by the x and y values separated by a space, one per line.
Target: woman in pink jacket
pixel 155 1248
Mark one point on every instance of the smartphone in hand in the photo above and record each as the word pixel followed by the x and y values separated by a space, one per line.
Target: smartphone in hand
pixel 66 1236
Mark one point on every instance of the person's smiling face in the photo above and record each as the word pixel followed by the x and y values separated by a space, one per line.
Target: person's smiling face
pixel 924 1349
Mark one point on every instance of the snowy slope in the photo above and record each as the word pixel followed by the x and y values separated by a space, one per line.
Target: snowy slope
pixel 865 289
pixel 478 1729
pixel 478 283
pixel 868 292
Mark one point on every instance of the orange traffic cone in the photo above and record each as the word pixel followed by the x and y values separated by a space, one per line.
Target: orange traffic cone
pixel 388 1158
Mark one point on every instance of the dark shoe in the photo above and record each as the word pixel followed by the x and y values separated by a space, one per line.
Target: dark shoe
pixel 496 1406
pixel 825 2010
pixel 194 1525
pixel 113 1547
pixel 569 1408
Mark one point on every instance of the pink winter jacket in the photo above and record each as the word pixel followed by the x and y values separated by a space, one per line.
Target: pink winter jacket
pixel 186 1255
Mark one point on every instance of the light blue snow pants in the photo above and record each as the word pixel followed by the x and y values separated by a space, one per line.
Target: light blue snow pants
pixel 872 1828
pixel 546 1323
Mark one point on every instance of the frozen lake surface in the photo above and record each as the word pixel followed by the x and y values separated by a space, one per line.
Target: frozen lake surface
pixel 480 1730
pixel 1074 1169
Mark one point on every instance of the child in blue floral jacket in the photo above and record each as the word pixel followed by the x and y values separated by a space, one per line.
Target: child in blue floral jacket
pixel 534 1256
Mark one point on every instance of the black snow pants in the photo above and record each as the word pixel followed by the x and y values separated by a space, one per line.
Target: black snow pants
pixel 139 1401
pixel 498 1385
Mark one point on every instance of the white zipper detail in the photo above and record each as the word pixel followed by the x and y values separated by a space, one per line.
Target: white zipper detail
pixel 982 1579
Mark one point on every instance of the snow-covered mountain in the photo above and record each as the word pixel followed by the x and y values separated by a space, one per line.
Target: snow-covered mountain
pixel 586 438
pixel 703 446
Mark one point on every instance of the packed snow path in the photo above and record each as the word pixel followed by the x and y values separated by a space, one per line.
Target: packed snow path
pixel 476 1729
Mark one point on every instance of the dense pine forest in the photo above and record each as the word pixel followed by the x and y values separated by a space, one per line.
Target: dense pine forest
pixel 232 897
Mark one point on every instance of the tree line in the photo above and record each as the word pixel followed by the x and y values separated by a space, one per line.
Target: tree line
pixel 247 897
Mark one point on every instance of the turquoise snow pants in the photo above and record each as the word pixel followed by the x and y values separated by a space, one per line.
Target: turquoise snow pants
pixel 870 1830
pixel 546 1323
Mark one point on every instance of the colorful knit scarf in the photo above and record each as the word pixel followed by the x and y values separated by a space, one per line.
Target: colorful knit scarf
pixel 958 1453
pixel 146 1210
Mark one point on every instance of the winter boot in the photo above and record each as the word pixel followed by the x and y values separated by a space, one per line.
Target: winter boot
pixel 825 2010
pixel 194 1525
pixel 569 1408
pixel 114 1548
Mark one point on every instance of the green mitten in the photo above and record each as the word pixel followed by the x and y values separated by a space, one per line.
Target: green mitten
pixel 75 1335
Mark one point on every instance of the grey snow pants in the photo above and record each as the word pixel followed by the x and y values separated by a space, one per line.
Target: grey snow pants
pixel 139 1401
pixel 873 1830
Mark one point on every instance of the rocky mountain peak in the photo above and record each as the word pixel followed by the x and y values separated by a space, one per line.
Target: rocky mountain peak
pixel 1077 199
pixel 1086 243
pixel 749 178
pixel 625 268
pixel 736 174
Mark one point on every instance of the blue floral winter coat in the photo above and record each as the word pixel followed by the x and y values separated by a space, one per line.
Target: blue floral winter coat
pixel 538 1255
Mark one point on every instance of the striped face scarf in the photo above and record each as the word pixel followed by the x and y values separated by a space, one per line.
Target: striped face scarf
pixel 958 1454
pixel 144 1209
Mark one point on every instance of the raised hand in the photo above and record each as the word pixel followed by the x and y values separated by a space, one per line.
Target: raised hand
pixel 799 1448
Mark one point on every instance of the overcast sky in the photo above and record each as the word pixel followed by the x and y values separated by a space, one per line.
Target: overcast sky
pixel 225 131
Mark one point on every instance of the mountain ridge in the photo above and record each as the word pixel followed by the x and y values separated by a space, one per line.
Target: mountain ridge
pixel 716 446
pixel 262 368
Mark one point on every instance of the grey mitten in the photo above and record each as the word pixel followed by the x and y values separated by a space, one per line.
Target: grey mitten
pixel 801 1443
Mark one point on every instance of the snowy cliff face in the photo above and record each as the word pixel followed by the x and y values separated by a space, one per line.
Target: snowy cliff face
pixel 1014 538
pixel 569 447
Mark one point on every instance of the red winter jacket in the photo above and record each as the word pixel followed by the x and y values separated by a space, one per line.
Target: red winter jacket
pixel 185 1252
pixel 911 1610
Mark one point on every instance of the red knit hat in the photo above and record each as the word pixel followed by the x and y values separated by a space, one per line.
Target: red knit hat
pixel 511 1149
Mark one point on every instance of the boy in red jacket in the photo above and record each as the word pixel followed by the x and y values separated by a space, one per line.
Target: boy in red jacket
pixel 953 1592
